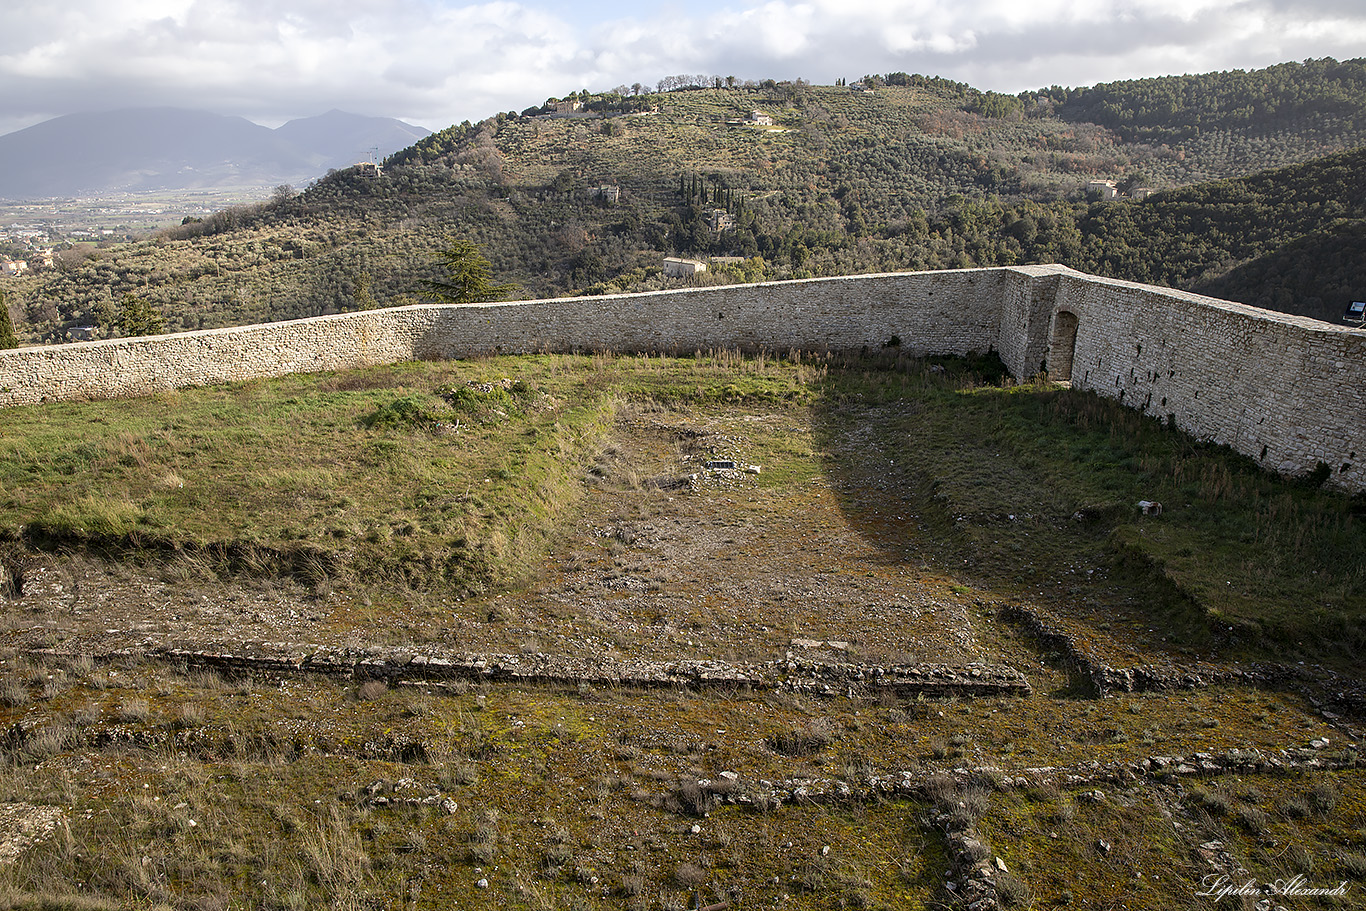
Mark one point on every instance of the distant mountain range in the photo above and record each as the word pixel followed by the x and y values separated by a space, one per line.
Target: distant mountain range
pixel 144 149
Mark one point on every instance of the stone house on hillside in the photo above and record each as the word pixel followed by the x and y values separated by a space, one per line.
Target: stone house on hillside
pixel 719 220
pixel 1106 189
pixel 674 267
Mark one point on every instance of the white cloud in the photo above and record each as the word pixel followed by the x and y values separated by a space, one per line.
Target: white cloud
pixel 435 62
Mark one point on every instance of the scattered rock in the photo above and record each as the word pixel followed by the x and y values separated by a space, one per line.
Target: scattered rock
pixel 24 825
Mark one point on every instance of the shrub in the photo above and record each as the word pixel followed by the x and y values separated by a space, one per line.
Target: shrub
pixel 1011 891
pixel 411 411
pixel 371 689
pixel 798 743
pixel 13 693
pixel 689 797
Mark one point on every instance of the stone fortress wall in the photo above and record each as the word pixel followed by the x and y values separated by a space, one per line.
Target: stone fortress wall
pixel 1284 390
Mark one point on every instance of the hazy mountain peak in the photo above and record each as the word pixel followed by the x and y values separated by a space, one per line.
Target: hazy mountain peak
pixel 164 148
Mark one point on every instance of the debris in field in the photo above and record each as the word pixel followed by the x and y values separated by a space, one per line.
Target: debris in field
pixel 834 644
pixel 24 825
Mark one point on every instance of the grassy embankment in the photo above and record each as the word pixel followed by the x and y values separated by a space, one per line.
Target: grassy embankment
pixel 1035 490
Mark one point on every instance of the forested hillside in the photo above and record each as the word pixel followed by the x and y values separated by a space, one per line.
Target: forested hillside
pixel 896 172
pixel 1232 120
pixel 1288 239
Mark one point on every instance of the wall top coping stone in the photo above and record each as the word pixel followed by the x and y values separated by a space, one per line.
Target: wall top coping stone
pixel 643 297
pixel 1215 303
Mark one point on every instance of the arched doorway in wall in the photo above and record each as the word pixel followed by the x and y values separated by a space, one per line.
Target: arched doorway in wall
pixel 1062 346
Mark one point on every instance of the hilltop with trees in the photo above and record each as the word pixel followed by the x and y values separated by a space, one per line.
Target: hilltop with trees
pixel 891 172
pixel 643 632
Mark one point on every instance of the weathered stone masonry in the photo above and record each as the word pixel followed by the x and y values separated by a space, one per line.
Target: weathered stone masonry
pixel 1285 390
pixel 1288 391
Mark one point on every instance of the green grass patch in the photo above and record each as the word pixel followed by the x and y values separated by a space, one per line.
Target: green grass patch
pixel 1078 852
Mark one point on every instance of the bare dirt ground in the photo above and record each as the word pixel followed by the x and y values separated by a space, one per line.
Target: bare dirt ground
pixel 668 559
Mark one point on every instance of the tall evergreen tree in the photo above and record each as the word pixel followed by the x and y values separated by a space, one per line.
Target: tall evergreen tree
pixel 468 277
pixel 7 337
pixel 138 317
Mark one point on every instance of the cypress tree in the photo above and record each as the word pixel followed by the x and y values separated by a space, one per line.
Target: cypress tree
pixel 7 337
pixel 138 317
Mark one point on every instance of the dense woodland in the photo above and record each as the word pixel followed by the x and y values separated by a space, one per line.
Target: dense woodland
pixel 1260 199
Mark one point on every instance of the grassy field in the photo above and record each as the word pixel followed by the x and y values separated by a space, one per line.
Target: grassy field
pixel 454 476
pixel 561 505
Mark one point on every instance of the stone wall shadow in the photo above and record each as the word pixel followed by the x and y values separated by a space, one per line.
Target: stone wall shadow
pixel 892 502
pixel 952 499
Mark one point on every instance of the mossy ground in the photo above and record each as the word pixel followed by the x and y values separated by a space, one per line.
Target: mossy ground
pixel 893 499
pixel 1145 848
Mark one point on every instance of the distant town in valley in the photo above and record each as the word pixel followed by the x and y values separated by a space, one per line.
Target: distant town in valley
pixel 32 234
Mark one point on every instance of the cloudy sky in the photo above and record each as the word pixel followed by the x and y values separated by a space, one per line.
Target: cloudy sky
pixel 437 62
